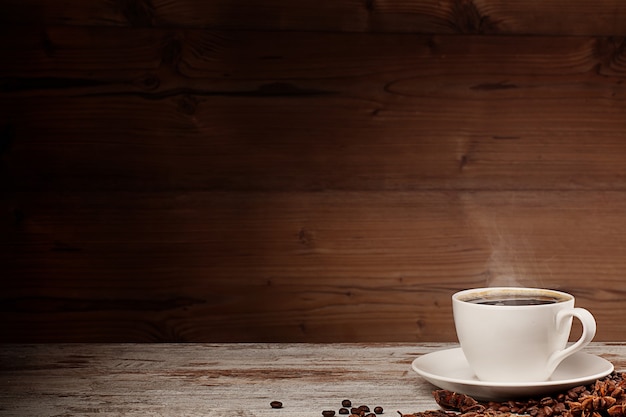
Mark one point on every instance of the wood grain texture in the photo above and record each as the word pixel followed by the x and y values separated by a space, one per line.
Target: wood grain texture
pixel 324 267
pixel 196 171
pixel 261 111
pixel 219 379
pixel 535 17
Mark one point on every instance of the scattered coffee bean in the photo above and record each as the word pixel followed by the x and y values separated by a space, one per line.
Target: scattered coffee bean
pixel 346 403
pixel 364 408
pixel 378 410
pixel 344 410
pixel 355 410
pixel 276 404
pixel 328 413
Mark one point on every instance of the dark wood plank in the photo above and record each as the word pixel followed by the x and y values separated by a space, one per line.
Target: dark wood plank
pixel 261 111
pixel 318 144
pixel 297 266
pixel 228 57
pixel 536 17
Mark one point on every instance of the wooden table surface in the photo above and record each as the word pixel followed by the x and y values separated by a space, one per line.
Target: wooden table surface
pixel 219 379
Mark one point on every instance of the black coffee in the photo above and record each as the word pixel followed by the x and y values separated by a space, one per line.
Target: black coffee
pixel 515 301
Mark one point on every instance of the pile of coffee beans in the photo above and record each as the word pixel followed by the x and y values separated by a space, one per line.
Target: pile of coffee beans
pixel 346 409
pixel 606 397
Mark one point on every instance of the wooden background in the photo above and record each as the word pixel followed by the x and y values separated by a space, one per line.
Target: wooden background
pixel 319 171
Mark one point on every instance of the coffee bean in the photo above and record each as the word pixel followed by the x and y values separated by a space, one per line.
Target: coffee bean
pixel 378 410
pixel 589 399
pixel 344 410
pixel 364 408
pixel 346 403
pixel 328 413
pixel 276 404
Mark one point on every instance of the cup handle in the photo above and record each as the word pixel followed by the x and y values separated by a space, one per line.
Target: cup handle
pixel 589 331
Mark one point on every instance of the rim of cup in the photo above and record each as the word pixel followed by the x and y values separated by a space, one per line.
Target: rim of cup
pixel 463 296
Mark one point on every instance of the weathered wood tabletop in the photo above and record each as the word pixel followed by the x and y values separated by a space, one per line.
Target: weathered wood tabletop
pixel 219 379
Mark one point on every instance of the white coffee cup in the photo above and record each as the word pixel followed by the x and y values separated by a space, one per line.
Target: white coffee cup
pixel 504 341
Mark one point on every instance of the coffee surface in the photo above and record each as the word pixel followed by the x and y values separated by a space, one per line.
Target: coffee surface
pixel 515 301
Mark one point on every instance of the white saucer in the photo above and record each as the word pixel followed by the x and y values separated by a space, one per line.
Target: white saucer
pixel 448 369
